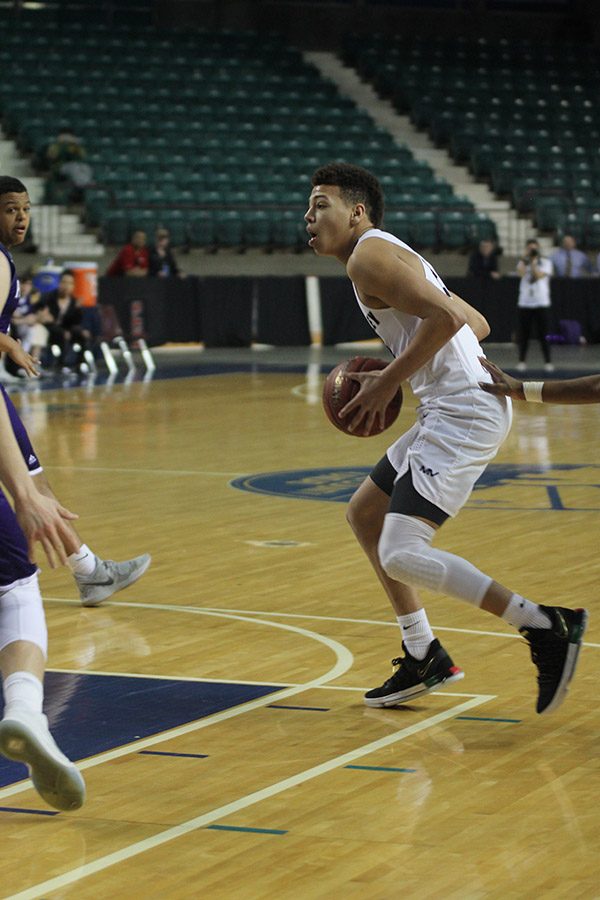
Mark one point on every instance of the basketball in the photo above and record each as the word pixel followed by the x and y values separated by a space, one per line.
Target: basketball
pixel 339 390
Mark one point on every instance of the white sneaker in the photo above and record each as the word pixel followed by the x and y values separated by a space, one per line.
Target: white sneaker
pixel 109 577
pixel 24 737
pixel 521 367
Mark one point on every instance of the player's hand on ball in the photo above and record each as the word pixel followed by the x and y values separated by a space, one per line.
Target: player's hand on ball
pixel 367 409
pixel 358 398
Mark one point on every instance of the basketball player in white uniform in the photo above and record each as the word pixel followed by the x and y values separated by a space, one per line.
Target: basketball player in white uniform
pixel 428 474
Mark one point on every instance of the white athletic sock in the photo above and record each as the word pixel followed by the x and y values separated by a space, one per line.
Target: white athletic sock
pixel 24 691
pixel 522 613
pixel 416 633
pixel 83 562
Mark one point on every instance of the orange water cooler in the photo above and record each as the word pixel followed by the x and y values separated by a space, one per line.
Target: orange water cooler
pixel 86 281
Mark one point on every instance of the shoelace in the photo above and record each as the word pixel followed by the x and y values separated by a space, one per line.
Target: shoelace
pixel 547 672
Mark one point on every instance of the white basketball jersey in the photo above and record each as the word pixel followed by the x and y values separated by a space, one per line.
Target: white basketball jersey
pixel 455 368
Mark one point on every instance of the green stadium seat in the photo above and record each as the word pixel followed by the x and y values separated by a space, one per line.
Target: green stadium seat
pixel 256 226
pixel 397 222
pixel 480 227
pixel 200 226
pixel 288 229
pixel 423 229
pixel 228 228
pixel 592 232
pixel 452 230
pixel 548 210
pixel 115 227
pixel 571 223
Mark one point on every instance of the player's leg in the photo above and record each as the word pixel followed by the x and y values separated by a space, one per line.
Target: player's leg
pixel 97 579
pixel 24 733
pixel 366 514
pixel 542 330
pixel 406 555
pixel 524 334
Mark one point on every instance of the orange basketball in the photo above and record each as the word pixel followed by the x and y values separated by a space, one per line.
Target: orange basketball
pixel 339 390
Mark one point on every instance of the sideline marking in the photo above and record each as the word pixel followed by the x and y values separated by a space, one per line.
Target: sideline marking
pixel 282 615
pixel 279 787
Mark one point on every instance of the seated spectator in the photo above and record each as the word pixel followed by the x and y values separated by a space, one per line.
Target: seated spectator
pixel 133 259
pixel 62 315
pixel 25 327
pixel 162 259
pixel 70 174
pixel 483 262
pixel 568 261
pixel 24 319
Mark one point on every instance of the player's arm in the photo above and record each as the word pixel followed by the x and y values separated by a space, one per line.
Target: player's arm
pixel 7 344
pixel 571 390
pixel 387 281
pixel 42 518
pixel 381 275
pixel 4 281
pixel 537 272
pixel 475 320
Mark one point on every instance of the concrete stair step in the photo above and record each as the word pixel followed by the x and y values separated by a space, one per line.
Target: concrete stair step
pixel 73 251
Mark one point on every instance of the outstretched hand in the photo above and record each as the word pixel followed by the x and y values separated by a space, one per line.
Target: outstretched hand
pixel 44 520
pixel 503 385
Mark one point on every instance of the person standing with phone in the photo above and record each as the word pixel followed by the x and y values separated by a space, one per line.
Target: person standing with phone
pixel 534 302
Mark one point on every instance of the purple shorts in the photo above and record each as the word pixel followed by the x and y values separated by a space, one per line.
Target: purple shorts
pixel 29 455
pixel 14 562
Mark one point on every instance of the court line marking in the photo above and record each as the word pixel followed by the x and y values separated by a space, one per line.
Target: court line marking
pixel 147 471
pixel 344 662
pixel 241 803
pixel 283 615
pixel 281 684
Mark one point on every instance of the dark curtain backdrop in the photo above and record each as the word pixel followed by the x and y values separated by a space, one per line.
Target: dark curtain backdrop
pixel 236 311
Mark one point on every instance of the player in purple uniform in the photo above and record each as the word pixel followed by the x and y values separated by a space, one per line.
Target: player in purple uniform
pixel 96 579
pixel 24 734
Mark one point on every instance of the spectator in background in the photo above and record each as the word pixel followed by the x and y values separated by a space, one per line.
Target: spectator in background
pixel 70 174
pixel 25 325
pixel 483 262
pixel 534 302
pixel 568 261
pixel 133 259
pixel 62 315
pixel 162 262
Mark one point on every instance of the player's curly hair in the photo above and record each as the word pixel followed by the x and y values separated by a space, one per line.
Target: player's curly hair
pixel 9 185
pixel 356 185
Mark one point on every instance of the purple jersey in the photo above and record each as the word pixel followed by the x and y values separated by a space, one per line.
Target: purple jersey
pixel 13 294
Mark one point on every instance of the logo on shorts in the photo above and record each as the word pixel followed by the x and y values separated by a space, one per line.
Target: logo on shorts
pixel 428 471
pixel 32 459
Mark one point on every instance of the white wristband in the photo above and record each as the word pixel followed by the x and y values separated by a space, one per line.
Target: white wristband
pixel 532 391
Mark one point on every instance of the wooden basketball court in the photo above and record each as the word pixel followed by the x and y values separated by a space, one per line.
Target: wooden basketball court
pixel 232 755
